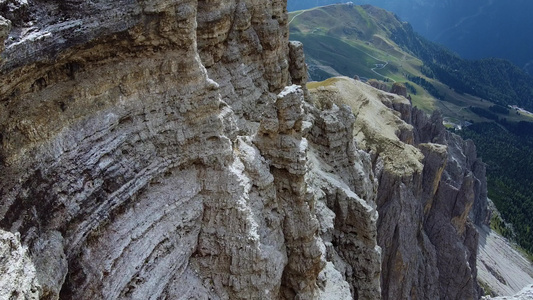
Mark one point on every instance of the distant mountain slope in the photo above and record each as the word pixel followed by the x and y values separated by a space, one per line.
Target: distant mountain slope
pixel 372 42
pixel 474 29
pixel 496 80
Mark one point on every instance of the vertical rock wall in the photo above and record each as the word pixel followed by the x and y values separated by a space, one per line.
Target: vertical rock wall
pixel 150 149
pixel 431 191
pixel 158 149
pixel 120 151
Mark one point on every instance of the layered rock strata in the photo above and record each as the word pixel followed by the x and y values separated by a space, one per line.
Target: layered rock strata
pixel 146 153
pixel 160 150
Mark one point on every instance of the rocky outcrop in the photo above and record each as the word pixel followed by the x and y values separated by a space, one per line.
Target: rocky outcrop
pixel 121 152
pixel 399 89
pixel 151 150
pixel 525 294
pixel 502 269
pixel 170 149
pixel 346 208
pixel 459 202
pixel 378 84
pixel 429 182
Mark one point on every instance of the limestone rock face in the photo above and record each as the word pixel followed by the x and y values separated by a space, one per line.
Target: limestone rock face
pixel 121 161
pixel 18 280
pixel 525 294
pixel 431 189
pixel 459 202
pixel 170 149
pixel 151 149
pixel 5 27
pixel 346 208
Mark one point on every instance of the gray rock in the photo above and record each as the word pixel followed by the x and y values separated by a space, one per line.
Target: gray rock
pixel 5 27
pixel 399 89
pixel 155 149
pixel 50 263
pixel 348 216
pixel 18 280
pixel 298 67
pixel 425 197
pixel 123 144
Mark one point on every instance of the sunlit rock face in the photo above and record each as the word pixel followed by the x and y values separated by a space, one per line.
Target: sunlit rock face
pixel 170 149
pixel 151 149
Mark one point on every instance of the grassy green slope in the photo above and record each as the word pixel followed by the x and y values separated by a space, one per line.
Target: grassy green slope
pixel 351 40
pixel 335 53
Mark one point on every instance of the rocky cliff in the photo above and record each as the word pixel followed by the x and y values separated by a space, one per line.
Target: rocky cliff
pixel 430 194
pixel 170 149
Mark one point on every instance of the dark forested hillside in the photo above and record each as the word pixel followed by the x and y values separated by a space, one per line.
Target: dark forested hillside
pixel 507 151
pixel 496 80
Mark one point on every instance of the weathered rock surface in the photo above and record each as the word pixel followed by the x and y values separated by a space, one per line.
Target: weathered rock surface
pixel 429 180
pixel 502 269
pixel 159 150
pixel 146 153
pixel 525 294
pixel 18 280
pixel 346 207
pixel 399 89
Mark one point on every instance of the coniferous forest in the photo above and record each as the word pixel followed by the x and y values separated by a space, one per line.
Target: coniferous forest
pixel 496 80
pixel 506 148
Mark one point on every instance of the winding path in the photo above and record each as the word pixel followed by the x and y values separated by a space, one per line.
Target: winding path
pixel 371 69
pixel 297 15
pixel 379 68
